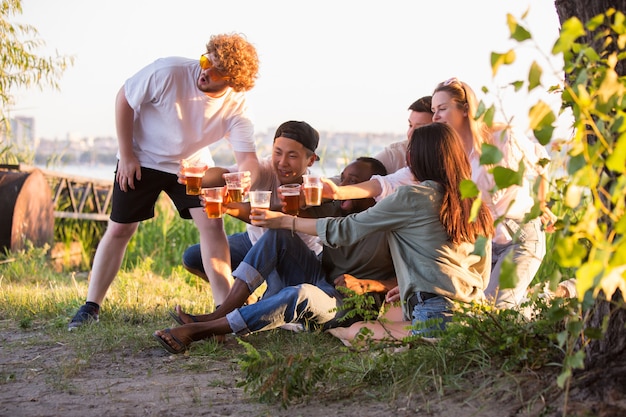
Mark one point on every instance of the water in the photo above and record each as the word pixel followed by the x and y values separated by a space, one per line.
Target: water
pixel 101 172
pixel 106 172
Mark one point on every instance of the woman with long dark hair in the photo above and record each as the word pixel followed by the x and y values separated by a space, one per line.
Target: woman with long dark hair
pixel 430 228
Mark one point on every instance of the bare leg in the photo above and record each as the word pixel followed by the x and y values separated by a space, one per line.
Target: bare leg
pixel 237 296
pixel 182 336
pixel 215 253
pixel 108 259
pixel 389 327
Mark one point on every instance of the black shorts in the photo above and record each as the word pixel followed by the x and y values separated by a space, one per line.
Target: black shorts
pixel 138 204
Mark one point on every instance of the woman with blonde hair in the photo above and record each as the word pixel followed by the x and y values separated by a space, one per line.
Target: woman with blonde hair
pixel 455 104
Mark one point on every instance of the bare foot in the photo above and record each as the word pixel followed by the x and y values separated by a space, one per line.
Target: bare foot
pixel 181 317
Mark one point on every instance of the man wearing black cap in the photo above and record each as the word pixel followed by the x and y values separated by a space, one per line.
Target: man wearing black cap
pixel 303 289
pixel 293 152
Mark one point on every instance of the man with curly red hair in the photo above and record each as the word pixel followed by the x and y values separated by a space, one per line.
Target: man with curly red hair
pixel 171 110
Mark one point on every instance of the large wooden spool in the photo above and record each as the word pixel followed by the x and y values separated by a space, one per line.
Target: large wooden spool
pixel 26 210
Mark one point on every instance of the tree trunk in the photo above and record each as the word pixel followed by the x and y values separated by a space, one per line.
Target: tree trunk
pixel 585 10
pixel 605 362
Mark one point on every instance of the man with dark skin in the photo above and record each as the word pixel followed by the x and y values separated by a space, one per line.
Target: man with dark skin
pixel 305 295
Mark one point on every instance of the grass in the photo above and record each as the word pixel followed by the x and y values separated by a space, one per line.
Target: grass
pixel 483 353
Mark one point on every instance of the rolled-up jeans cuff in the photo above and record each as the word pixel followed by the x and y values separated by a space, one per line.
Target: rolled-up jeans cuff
pixel 237 323
pixel 249 275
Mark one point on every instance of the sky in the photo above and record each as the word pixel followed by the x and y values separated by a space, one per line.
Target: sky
pixel 341 65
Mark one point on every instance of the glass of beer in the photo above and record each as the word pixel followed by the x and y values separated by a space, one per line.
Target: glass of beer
pixel 235 183
pixel 260 199
pixel 213 198
pixel 291 195
pixel 193 172
pixel 312 185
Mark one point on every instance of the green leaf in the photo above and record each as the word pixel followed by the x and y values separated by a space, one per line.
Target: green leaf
pixel 577 360
pixel 508 274
pixel 475 209
pixel 480 246
pixel 517 32
pixel 468 189
pixel 505 177
pixel 593 333
pixel 534 76
pixel 595 22
pixel 620 226
pixel 569 253
pixel 490 154
pixel 571 30
pixel 544 134
pixel 564 377
pixel 576 163
pixel 517 85
pixel 497 60
pixel 615 161
pixel 541 120
pixel 610 88
pixel 489 115
pixel 619 258
pixel 587 274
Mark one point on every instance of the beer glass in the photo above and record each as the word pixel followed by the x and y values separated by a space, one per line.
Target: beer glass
pixel 312 185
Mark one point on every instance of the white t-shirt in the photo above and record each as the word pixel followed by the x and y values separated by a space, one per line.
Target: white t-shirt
pixel 174 120
pixel 267 180
pixel 393 156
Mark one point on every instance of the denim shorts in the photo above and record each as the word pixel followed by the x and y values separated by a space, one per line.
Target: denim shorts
pixel 431 315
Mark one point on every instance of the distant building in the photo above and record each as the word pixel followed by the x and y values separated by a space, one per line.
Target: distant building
pixel 22 135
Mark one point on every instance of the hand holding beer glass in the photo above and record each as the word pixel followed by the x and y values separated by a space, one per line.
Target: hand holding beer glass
pixel 312 185
pixel 291 196
pixel 193 173
pixel 213 198
pixel 236 184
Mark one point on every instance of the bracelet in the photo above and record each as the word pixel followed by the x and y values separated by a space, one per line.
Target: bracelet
pixel 293 226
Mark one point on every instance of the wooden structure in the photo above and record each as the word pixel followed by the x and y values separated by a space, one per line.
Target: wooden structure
pixel 32 198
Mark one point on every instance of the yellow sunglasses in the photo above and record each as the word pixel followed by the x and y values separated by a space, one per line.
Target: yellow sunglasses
pixel 207 64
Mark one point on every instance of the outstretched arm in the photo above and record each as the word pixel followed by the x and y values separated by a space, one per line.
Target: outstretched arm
pixel 367 189
pixel 277 220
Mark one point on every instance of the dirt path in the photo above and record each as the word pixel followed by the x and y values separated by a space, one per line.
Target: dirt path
pixel 40 377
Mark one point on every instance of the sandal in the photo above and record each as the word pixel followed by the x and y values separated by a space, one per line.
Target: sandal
pixel 171 349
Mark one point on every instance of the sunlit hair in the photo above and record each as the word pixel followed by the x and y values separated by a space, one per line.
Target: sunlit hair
pixel 377 167
pixel 465 99
pixel 238 60
pixel 436 153
pixel 422 105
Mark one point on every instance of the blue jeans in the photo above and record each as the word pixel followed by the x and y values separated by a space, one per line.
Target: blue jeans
pixel 528 252
pixel 297 287
pixel 239 244
pixel 436 308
